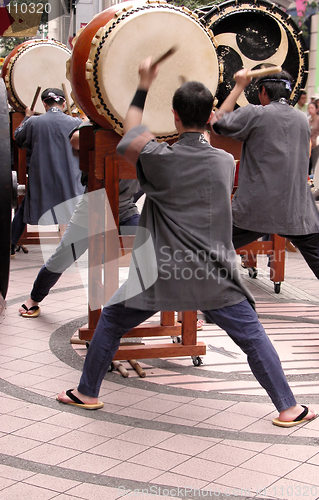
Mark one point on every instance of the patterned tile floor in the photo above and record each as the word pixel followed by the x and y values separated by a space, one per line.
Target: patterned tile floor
pixel 182 431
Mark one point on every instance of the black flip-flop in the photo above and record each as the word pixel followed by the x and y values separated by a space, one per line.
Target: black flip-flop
pixel 298 420
pixel 77 402
pixel 35 311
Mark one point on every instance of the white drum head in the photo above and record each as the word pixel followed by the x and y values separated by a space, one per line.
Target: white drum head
pixel 151 32
pixel 41 64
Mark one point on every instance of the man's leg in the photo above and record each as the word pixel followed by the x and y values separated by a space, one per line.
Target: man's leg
pixel 114 322
pixel 308 245
pixel 17 226
pixel 242 237
pixel 128 226
pixel 43 284
pixel 242 325
pixel 72 245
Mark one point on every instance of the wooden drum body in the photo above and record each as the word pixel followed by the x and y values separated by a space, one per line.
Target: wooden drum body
pixel 32 64
pixel 252 34
pixel 103 69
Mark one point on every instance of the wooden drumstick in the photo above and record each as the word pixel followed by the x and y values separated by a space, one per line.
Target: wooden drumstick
pixel 164 56
pixel 36 95
pixel 137 367
pixel 75 340
pixel 67 99
pixel 118 366
pixel 270 70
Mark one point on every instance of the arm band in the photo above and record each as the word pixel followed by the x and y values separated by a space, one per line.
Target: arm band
pixel 139 98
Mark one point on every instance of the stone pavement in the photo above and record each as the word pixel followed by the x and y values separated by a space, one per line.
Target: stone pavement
pixel 182 432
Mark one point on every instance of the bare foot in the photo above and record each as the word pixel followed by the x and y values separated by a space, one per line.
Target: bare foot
pixel 85 399
pixel 294 411
pixel 29 303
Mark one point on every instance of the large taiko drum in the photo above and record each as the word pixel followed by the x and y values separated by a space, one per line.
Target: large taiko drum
pixel 252 34
pixel 103 69
pixel 33 64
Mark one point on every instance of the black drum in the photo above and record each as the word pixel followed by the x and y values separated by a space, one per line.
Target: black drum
pixel 252 35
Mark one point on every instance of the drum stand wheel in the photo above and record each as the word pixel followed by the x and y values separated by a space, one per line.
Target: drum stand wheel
pixel 176 340
pixel 277 287
pixel 197 360
pixel 253 272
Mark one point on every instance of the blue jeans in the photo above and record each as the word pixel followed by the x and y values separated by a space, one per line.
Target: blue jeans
pixel 239 321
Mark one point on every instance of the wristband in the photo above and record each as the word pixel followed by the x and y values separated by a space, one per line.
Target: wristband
pixel 139 98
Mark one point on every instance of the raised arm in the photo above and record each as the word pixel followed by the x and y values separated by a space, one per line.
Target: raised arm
pixel 21 133
pixel 134 114
pixel 242 80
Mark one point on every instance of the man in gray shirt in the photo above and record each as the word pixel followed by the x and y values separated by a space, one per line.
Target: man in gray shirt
pixel 273 195
pixel 54 176
pixel 75 240
pixel 184 242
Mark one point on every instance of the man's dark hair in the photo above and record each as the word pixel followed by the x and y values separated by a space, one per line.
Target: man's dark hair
pixel 53 96
pixel 277 85
pixel 193 103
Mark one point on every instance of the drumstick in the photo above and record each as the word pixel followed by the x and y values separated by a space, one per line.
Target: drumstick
pixel 36 95
pixel 67 100
pixel 118 366
pixel 270 70
pixel 137 367
pixel 75 340
pixel 164 56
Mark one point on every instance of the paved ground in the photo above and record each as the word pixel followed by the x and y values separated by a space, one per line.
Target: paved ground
pixel 182 432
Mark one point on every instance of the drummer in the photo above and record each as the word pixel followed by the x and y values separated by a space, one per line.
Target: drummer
pixel 54 176
pixel 75 240
pixel 183 248
pixel 273 195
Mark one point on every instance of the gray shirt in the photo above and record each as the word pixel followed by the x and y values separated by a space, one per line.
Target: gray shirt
pixel 273 194
pixel 54 176
pixel 183 257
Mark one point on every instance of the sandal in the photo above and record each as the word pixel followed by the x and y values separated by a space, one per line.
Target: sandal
pixel 199 325
pixel 33 312
pixel 298 420
pixel 74 401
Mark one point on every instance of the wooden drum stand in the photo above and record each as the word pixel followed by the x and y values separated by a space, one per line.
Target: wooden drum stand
pixel 98 157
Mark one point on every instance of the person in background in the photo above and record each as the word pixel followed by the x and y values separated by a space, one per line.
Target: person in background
pixel 75 240
pixel 314 134
pixel 301 104
pixel 273 194
pixel 54 176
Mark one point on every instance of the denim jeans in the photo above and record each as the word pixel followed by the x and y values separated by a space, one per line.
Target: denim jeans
pixel 240 321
